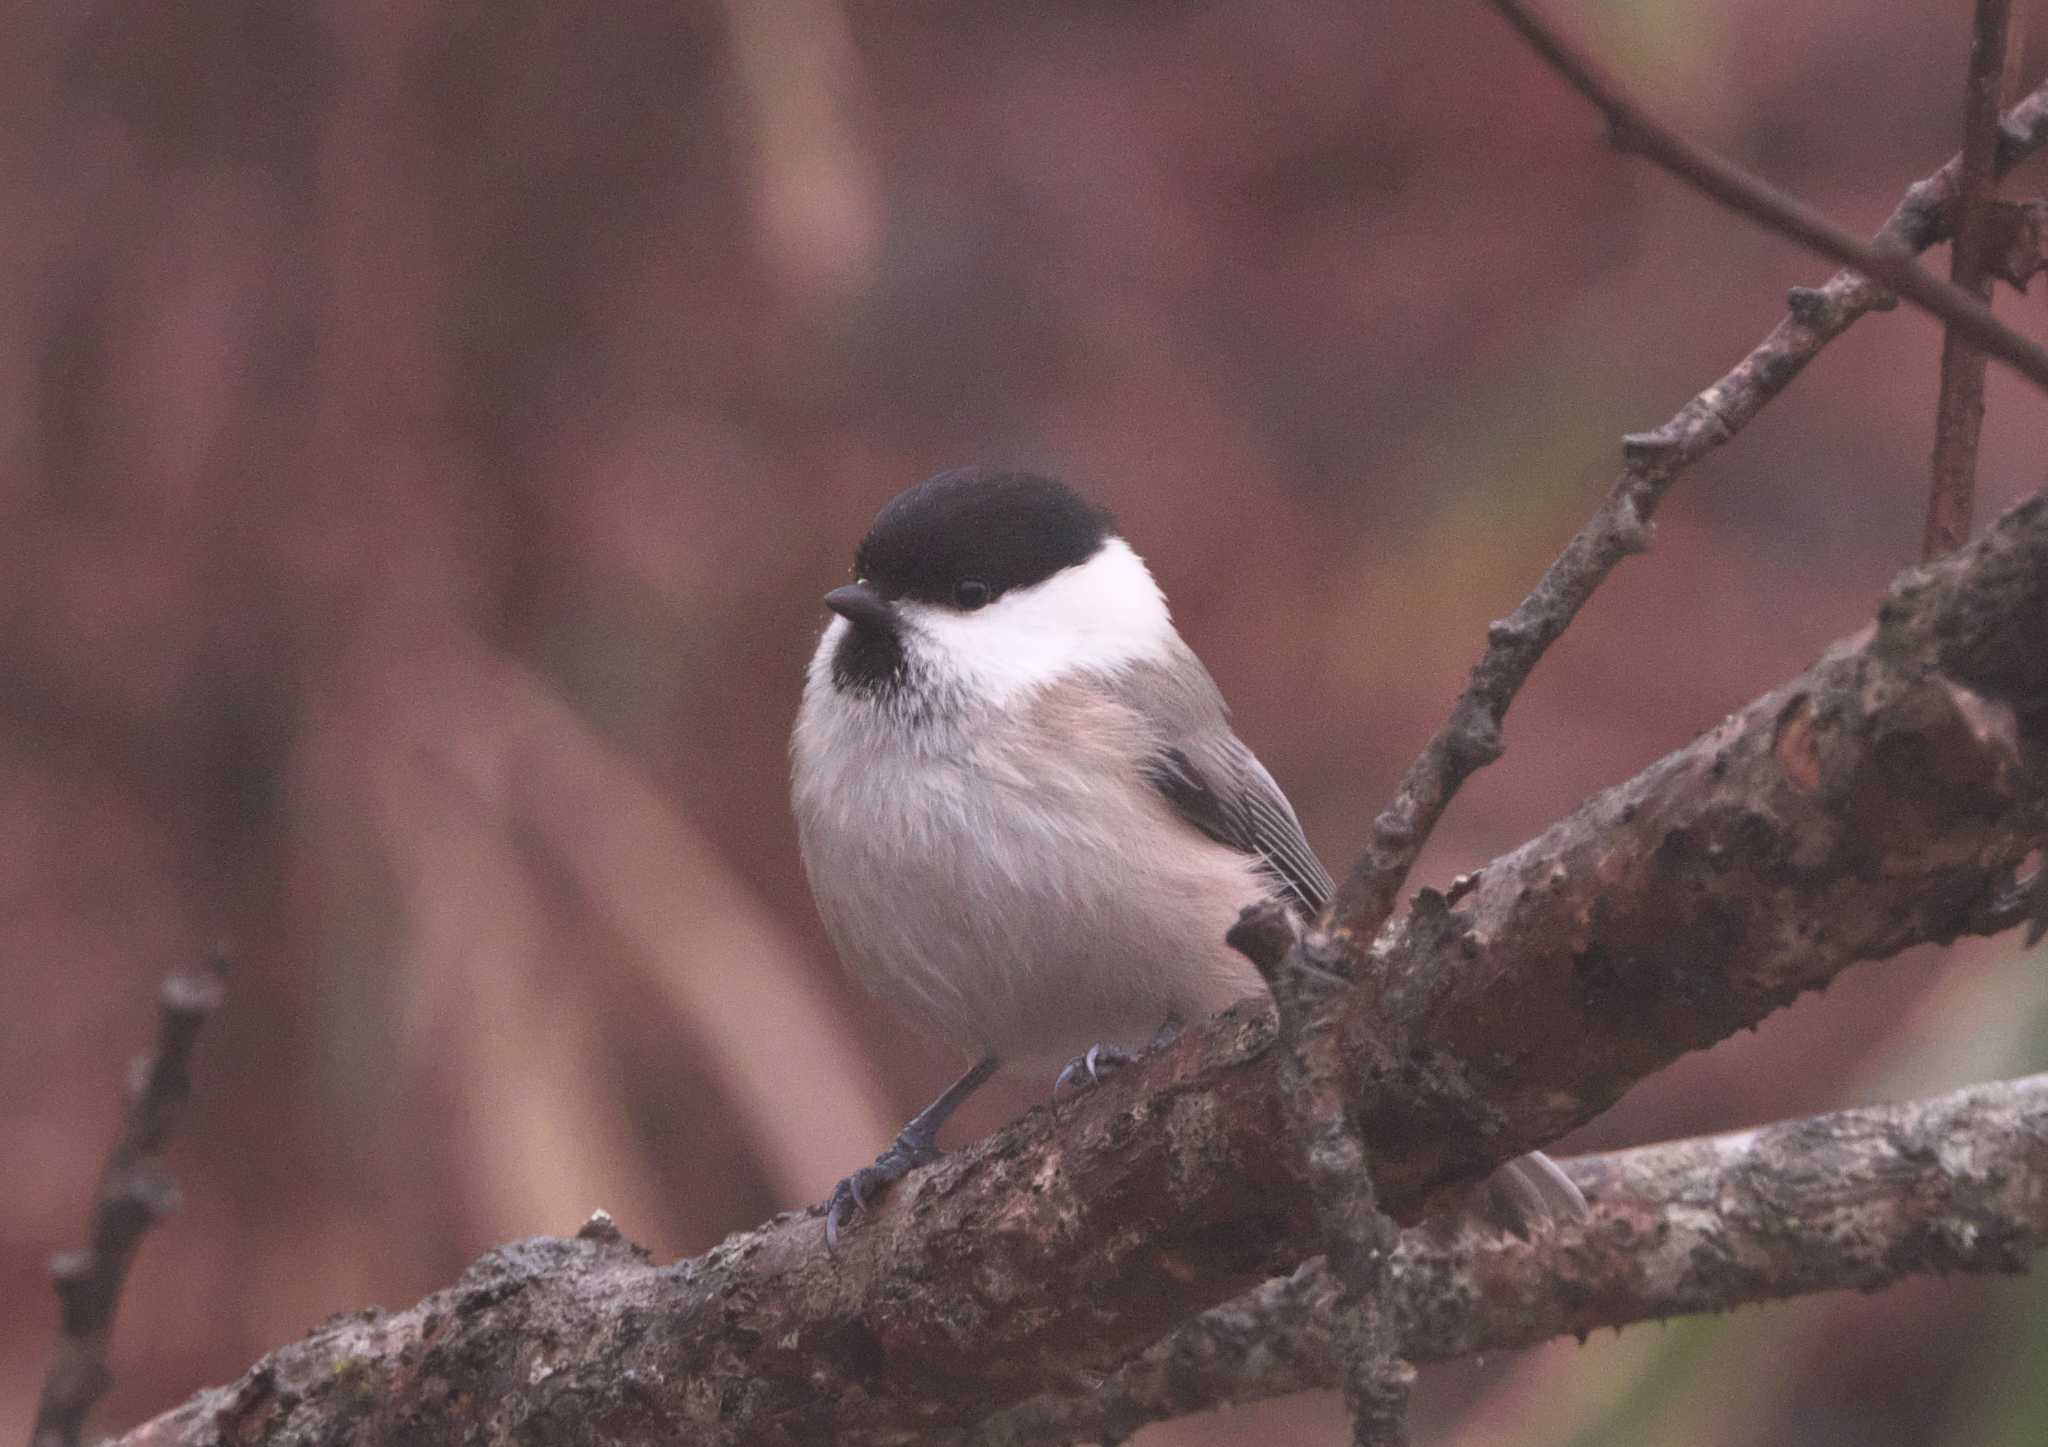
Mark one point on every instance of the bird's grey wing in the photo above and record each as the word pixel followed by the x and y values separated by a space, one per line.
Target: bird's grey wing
pixel 1217 784
pixel 1224 791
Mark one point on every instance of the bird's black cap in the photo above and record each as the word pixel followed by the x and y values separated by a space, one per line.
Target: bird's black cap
pixel 1002 530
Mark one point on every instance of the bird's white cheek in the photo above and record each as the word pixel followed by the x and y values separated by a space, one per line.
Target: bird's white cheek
pixel 1104 615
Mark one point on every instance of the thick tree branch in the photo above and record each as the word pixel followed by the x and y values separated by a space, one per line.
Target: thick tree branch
pixel 1617 951
pixel 1959 408
pixel 134 1193
pixel 1722 180
pixel 1880 800
pixel 1471 737
pixel 1852 1201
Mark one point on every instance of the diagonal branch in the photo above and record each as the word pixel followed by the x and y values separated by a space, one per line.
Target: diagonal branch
pixel 1727 183
pixel 1857 1200
pixel 1959 408
pixel 1880 800
pixel 1471 737
pixel 134 1193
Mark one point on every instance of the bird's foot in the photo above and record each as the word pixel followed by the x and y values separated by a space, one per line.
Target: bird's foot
pixel 852 1195
pixel 1099 1062
pixel 1090 1069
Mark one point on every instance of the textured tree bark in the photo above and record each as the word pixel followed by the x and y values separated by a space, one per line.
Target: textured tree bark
pixel 1752 865
pixel 1856 1200
pixel 1880 800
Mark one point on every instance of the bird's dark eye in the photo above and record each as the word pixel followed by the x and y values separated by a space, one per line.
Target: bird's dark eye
pixel 971 593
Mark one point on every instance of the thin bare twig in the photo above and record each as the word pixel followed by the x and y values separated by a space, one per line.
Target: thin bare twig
pixel 1358 1237
pixel 1959 409
pixel 135 1192
pixel 1735 188
pixel 1855 1200
pixel 1471 737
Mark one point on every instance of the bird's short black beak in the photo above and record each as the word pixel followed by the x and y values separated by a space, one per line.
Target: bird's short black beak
pixel 861 606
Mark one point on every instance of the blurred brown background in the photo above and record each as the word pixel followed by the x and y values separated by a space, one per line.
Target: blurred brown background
pixel 426 431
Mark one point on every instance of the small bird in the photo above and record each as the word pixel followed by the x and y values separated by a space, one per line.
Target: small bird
pixel 1023 813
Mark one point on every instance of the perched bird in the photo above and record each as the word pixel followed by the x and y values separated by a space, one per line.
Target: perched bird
pixel 1022 809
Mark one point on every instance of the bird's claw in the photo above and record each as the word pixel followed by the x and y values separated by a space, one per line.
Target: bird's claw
pixel 849 1199
pixel 1092 1068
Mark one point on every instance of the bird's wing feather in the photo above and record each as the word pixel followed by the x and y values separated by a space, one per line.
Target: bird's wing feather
pixel 1217 784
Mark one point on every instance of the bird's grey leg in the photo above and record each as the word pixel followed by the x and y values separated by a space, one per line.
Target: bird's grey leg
pixel 915 1144
pixel 1101 1061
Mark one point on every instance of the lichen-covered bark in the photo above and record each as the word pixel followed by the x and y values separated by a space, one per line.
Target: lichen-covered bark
pixel 1880 800
pixel 1856 1200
